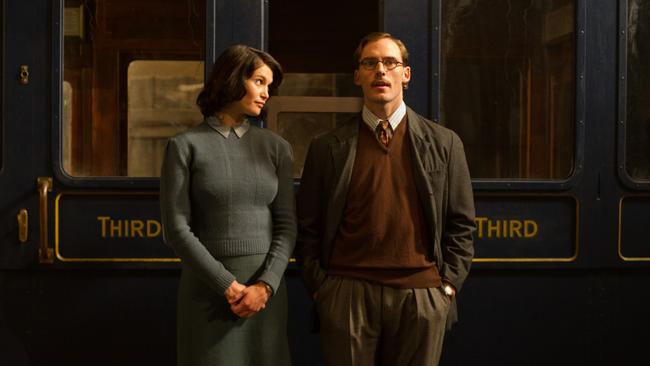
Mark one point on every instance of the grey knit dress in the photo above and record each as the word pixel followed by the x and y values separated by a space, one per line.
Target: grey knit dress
pixel 227 207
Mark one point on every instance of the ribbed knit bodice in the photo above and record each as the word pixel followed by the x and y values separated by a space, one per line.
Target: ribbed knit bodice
pixel 227 196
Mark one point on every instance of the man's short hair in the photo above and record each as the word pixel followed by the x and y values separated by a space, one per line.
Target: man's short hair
pixel 375 36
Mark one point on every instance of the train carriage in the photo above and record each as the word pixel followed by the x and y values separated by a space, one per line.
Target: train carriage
pixel 549 97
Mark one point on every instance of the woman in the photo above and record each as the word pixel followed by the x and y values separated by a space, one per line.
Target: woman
pixel 227 208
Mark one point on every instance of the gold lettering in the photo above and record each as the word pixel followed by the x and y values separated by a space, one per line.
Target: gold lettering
pixel 493 226
pixel 153 228
pixel 530 228
pixel 505 228
pixel 515 228
pixel 479 223
pixel 136 228
pixel 128 228
pixel 115 228
pixel 103 220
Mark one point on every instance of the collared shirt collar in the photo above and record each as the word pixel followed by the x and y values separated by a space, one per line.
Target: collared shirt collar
pixel 372 121
pixel 224 130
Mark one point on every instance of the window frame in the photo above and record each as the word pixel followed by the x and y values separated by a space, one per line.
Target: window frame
pixel 211 44
pixel 621 123
pixel 580 91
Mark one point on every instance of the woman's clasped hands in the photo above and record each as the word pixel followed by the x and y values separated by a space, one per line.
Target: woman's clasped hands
pixel 246 301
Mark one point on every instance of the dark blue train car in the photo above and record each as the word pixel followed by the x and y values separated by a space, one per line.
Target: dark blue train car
pixel 550 97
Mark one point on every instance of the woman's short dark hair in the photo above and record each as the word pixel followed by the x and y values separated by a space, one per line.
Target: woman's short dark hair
pixel 229 73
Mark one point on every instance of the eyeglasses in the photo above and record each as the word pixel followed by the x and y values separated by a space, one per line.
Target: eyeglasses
pixel 370 63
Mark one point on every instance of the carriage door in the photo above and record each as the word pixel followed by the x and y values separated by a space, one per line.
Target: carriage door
pixel 91 91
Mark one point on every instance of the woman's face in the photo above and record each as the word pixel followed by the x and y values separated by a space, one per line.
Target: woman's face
pixel 257 91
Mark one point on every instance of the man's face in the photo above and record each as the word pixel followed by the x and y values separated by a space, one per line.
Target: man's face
pixel 382 86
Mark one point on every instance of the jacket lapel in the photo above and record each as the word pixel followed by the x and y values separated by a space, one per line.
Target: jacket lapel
pixel 344 151
pixel 421 151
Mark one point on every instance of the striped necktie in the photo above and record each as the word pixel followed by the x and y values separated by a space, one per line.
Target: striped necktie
pixel 384 132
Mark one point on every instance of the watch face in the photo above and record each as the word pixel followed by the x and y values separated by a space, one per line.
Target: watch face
pixel 448 290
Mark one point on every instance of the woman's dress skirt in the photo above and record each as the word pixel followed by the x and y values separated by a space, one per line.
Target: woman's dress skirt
pixel 210 334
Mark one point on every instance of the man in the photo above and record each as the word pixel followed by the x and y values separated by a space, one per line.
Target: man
pixel 386 216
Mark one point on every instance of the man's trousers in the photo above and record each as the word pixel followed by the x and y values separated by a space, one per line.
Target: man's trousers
pixel 368 324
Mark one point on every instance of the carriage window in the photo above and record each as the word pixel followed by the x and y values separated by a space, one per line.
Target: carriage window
pixel 132 70
pixel 300 128
pixel 508 86
pixel 638 96
pixel 318 91
pixel 309 104
pixel 161 103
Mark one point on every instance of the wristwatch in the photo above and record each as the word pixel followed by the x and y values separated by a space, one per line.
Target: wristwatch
pixel 449 291
pixel 269 289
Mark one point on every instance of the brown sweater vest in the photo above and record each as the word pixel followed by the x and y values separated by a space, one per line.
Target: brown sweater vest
pixel 383 236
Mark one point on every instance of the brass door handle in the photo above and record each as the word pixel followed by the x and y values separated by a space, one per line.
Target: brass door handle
pixel 23 225
pixel 45 253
